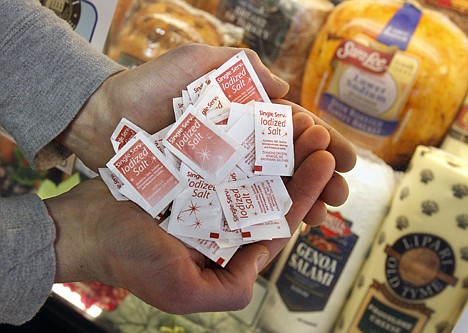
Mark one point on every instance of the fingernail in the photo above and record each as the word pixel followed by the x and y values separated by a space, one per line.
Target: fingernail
pixel 261 261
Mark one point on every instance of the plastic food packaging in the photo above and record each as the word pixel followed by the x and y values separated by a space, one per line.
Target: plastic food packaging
pixel 388 74
pixel 415 277
pixel 281 32
pixel 154 27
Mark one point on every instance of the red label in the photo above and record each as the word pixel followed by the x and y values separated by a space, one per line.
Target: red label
pixel 201 145
pixel 145 172
pixel 125 135
pixel 363 57
pixel 238 85
pixel 334 225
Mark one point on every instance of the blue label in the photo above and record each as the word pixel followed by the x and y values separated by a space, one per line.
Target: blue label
pixel 401 27
pixel 355 118
pixel 313 268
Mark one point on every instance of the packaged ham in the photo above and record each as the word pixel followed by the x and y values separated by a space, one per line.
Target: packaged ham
pixel 387 74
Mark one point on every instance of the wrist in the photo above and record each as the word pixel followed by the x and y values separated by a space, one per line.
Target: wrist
pixel 70 265
pixel 88 135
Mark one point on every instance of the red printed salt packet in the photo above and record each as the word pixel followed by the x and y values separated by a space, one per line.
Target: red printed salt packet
pixel 196 212
pixel 243 132
pixel 253 200
pixel 158 137
pixel 204 148
pixel 209 248
pixel 239 81
pixel 178 107
pixel 186 99
pixel 274 147
pixel 278 228
pixel 123 133
pixel 214 104
pixel 198 87
pixel 149 179
pixel 113 183
pixel 237 111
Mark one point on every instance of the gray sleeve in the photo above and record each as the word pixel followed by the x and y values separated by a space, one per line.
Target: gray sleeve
pixel 27 257
pixel 47 74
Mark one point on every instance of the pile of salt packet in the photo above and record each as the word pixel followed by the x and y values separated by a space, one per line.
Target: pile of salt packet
pixel 217 170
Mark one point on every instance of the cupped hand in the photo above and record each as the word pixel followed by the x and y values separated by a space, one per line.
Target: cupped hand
pixel 117 243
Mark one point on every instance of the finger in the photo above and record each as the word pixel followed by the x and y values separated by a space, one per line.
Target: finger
pixel 316 214
pixel 301 122
pixel 232 288
pixel 342 149
pixel 275 86
pixel 336 191
pixel 197 53
pixel 314 138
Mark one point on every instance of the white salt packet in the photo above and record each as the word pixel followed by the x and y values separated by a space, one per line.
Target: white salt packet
pixel 253 200
pixel 113 183
pixel 213 103
pixel 239 81
pixel 274 147
pixel 235 174
pixel 186 99
pixel 124 131
pixel 208 248
pixel 149 179
pixel 204 148
pixel 243 132
pixel 178 107
pixel 198 86
pixel 278 228
pixel 158 137
pixel 221 121
pixel 237 111
pixel 174 160
pixel 196 212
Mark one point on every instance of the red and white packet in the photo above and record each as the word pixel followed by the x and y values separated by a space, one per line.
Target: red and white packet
pixel 123 133
pixel 113 183
pixel 196 212
pixel 239 81
pixel 149 179
pixel 204 148
pixel 278 228
pixel 196 88
pixel 274 147
pixel 243 132
pixel 253 200
pixel 178 107
pixel 214 104
pixel 207 247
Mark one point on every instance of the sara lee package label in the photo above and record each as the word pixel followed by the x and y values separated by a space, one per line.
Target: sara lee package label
pixel 197 175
